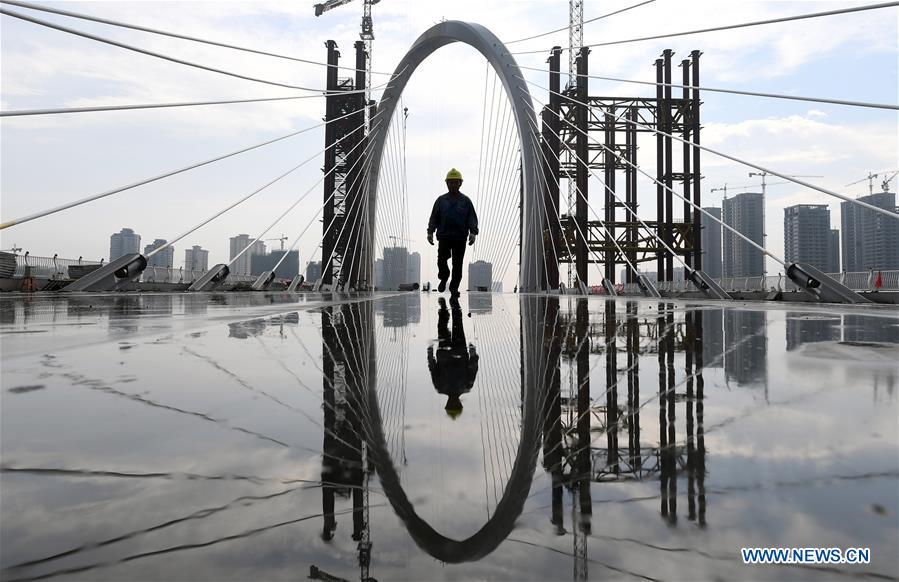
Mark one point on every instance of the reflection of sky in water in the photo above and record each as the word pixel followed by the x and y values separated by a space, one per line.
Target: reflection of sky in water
pixel 188 436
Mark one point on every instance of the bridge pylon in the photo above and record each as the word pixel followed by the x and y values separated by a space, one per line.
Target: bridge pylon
pixel 345 134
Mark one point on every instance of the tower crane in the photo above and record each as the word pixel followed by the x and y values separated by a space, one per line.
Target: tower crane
pixel 367 33
pixel 870 180
pixel 724 189
pixel 396 238
pixel 575 42
pixel 888 176
pixel 764 175
pixel 282 238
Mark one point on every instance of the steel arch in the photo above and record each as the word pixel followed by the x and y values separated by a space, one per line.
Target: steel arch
pixel 485 42
pixel 497 528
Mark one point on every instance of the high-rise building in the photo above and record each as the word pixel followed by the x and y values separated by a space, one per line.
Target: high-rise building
pixel 870 239
pixel 480 274
pixel 807 235
pixel 196 259
pixel 122 243
pixel 860 328
pixel 396 266
pixel 711 242
pixel 833 252
pixel 744 213
pixel 480 303
pixel 313 272
pixel 242 266
pixel 851 245
pixel 413 268
pixel 802 329
pixel 400 314
pixel 289 267
pixel 164 258
pixel 379 274
pixel 746 347
pixel 713 351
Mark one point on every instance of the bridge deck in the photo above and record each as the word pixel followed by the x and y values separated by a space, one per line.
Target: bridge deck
pixel 184 436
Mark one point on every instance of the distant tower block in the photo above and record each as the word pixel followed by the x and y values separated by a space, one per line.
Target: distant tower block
pixel 480 275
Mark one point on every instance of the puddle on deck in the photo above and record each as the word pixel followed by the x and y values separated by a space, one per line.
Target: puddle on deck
pixel 255 436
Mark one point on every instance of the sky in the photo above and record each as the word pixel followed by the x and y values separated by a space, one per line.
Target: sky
pixel 46 161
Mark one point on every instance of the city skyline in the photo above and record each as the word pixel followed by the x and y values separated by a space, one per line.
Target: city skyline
pixel 823 259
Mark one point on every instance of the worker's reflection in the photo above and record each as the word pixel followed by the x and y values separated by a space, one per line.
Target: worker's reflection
pixel 455 364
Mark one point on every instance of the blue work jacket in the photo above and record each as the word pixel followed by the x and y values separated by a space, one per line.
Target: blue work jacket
pixel 453 217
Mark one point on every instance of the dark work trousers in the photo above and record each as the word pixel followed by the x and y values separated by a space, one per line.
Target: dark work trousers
pixel 445 250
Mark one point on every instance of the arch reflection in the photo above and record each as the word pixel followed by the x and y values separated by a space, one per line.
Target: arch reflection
pixel 585 439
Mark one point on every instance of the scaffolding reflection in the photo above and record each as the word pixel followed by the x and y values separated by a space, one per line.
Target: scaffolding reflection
pixel 347 365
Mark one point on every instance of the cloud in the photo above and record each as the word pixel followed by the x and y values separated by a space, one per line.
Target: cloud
pixel 792 142
pixel 795 145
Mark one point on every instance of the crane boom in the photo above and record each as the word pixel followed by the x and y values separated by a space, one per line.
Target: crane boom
pixel 325 6
pixel 282 238
pixel 575 42
pixel 367 35
pixel 888 177
pixel 396 238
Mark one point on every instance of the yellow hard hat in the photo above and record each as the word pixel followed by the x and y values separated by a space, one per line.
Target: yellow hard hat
pixel 454 174
pixel 453 407
pixel 453 411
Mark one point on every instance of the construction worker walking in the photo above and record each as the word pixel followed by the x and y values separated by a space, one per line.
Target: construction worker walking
pixel 454 220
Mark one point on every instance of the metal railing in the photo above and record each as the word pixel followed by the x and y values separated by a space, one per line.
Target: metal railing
pixel 235 278
pixel 180 275
pixel 856 280
pixel 169 275
pixel 55 268
pixel 47 267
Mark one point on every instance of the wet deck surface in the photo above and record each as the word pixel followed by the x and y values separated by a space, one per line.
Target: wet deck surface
pixel 251 436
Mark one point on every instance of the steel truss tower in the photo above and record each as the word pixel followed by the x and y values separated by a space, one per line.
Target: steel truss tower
pixel 606 119
pixel 344 173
